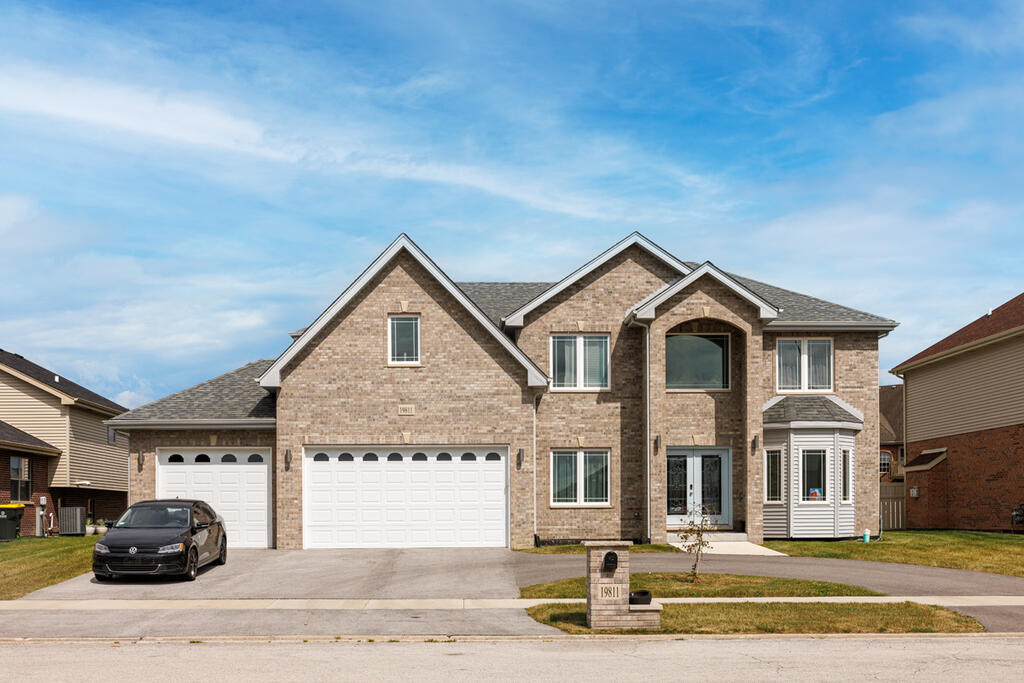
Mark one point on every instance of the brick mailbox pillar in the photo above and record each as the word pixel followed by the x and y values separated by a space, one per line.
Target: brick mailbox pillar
pixel 608 590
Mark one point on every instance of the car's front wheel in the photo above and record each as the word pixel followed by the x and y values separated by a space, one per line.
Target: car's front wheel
pixel 222 558
pixel 102 577
pixel 192 565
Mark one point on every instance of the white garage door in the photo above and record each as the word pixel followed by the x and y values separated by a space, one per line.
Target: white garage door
pixel 234 482
pixel 414 497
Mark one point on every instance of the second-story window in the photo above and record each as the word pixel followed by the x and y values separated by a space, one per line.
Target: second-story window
pixel 579 361
pixel 404 339
pixel 697 361
pixel 804 364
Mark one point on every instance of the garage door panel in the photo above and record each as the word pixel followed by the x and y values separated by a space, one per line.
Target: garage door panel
pixel 402 502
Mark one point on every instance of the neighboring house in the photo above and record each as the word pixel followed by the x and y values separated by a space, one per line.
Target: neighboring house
pixel 891 453
pixel 965 424
pixel 55 445
pixel 416 411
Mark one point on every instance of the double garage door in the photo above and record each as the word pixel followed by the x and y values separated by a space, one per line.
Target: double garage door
pixel 234 482
pixel 384 497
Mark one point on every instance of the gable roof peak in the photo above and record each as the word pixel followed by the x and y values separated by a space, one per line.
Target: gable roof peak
pixel 647 309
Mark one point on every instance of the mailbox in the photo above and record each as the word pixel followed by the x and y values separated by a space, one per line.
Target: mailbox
pixel 610 563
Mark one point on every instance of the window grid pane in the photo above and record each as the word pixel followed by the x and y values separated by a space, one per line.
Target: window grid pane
pixel 595 362
pixel 774 474
pixel 595 477
pixel 846 475
pixel 697 361
pixel 789 364
pixel 819 364
pixel 563 361
pixel 405 339
pixel 563 472
pixel 814 475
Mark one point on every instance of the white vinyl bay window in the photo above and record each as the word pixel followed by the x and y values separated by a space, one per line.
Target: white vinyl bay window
pixel 804 364
pixel 579 478
pixel 579 361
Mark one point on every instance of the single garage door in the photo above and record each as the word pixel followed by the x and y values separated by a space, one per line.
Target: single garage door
pixel 234 482
pixel 414 497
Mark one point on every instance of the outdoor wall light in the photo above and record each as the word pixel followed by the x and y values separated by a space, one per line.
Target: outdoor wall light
pixel 140 460
pixel 757 440
pixel 287 459
pixel 657 444
pixel 519 459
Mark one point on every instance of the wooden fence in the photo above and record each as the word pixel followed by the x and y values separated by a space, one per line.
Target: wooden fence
pixel 893 503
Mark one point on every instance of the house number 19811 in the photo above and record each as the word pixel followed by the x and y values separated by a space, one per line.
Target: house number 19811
pixel 610 591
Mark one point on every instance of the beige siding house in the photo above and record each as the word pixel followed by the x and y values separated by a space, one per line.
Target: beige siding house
pixel 637 393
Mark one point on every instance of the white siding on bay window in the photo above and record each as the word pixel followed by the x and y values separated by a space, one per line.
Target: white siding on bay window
pixel 812 519
pixel 776 515
pixel 846 524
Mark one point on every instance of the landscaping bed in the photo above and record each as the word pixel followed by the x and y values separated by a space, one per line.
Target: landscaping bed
pixel 674 585
pixel 28 564
pixel 776 617
pixel 579 549
pixel 977 551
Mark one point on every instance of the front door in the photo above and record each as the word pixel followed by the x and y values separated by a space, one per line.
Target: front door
pixel 699 479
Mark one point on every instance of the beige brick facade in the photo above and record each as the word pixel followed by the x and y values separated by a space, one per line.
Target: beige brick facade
pixel 470 390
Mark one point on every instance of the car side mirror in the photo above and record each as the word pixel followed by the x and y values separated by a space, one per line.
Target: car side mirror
pixel 202 525
pixel 109 525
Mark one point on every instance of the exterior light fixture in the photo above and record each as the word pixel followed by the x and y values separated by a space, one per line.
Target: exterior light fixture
pixel 287 459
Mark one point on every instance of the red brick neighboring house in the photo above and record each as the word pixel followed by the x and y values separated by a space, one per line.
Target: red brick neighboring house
pixel 965 424
pixel 54 445
pixel 891 453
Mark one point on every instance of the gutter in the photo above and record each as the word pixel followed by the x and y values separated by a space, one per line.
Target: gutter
pixel 11 445
pixel 244 423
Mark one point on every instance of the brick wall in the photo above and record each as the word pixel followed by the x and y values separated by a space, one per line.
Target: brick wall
pixel 468 389
pixel 975 487
pixel 39 478
pixel 614 419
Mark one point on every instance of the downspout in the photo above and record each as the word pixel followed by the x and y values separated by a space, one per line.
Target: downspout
pixel 536 400
pixel 647 404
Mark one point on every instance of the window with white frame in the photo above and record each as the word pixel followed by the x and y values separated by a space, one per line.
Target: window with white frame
pixel 21 485
pixel 846 470
pixel 804 364
pixel 696 361
pixel 773 476
pixel 813 475
pixel 403 339
pixel 579 477
pixel 884 461
pixel 579 361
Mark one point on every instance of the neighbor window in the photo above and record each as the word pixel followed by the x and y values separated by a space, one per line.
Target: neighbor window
pixel 404 339
pixel 773 476
pixel 884 461
pixel 697 361
pixel 21 489
pixel 813 475
pixel 804 364
pixel 579 478
pixel 846 476
pixel 579 361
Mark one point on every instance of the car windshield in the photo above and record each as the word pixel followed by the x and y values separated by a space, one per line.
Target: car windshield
pixel 154 516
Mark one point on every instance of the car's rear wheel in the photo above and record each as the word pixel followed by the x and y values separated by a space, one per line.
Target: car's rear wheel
pixel 222 559
pixel 192 565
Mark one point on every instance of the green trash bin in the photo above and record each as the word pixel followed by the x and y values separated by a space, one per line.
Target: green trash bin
pixel 10 521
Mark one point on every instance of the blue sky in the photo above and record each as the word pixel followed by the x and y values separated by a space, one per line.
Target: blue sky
pixel 182 184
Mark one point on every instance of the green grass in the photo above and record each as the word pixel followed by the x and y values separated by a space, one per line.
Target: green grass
pixel 778 617
pixel 27 564
pixel 974 550
pixel 578 549
pixel 670 585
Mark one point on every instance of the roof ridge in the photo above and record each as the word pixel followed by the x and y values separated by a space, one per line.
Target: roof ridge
pixel 79 391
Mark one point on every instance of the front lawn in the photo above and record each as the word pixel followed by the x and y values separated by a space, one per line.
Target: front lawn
pixel 671 585
pixel 27 564
pixel 974 550
pixel 778 617
pixel 579 549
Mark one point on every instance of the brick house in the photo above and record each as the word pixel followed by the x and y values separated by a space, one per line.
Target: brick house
pixel 965 424
pixel 55 445
pixel 416 411
pixel 892 455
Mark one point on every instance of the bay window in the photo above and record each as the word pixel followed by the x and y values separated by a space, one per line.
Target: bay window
pixel 580 361
pixel 697 361
pixel 846 467
pixel 813 475
pixel 773 476
pixel 579 478
pixel 804 364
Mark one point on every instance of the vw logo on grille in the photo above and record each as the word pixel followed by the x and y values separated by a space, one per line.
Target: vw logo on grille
pixel 132 550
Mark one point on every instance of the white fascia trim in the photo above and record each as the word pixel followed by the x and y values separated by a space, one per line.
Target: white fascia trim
pixel 855 426
pixel 839 325
pixel 272 377
pixel 933 451
pixel 646 310
pixel 770 402
pixel 515 319
pixel 245 423
pixel 845 406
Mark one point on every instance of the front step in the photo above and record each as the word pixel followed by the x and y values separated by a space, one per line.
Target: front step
pixel 712 536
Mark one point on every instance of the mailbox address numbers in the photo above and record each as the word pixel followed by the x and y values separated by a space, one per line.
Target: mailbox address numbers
pixel 613 592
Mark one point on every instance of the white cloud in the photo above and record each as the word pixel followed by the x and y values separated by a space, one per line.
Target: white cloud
pixel 999 31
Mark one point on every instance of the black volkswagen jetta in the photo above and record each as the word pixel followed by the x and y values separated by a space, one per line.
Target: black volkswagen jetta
pixel 161 537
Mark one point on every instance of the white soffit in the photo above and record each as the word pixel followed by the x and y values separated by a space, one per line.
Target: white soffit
pixel 272 377
pixel 515 319
pixel 646 309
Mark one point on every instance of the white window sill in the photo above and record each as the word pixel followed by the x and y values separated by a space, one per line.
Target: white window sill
pixel 578 506
pixel 393 364
pixel 805 391
pixel 575 390
pixel 815 502
pixel 696 391
pixel 775 503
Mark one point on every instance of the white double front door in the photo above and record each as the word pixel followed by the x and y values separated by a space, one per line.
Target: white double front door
pixel 699 479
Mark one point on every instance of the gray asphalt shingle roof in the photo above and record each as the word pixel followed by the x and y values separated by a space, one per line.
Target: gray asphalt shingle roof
pixel 13 435
pixel 40 374
pixel 497 299
pixel 808 409
pixel 235 395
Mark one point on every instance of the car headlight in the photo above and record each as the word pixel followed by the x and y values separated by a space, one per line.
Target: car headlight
pixel 102 549
pixel 172 548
